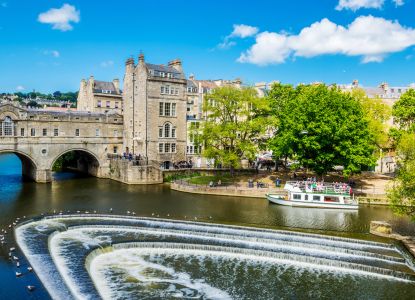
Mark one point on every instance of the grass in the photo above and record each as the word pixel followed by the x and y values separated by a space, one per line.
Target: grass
pixel 204 180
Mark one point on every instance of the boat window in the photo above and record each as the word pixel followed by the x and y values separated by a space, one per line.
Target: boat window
pixel 297 197
pixel 331 199
pixel 306 197
pixel 316 198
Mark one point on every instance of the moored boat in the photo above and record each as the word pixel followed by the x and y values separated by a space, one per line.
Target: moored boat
pixel 316 194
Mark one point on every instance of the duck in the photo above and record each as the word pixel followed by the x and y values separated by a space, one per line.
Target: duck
pixel 31 288
pixel 12 249
pixel 30 269
pixel 18 274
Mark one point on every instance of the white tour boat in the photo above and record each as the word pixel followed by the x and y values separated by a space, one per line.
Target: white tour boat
pixel 316 194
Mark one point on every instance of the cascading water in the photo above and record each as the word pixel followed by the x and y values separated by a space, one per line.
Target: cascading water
pixel 116 257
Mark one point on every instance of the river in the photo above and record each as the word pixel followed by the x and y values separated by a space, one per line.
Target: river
pixel 70 192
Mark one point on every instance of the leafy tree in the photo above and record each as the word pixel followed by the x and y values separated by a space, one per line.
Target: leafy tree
pixel 321 127
pixel 234 122
pixel 57 94
pixel 404 111
pixel 32 103
pixel 377 113
pixel 402 192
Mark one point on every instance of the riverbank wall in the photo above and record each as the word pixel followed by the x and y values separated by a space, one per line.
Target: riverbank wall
pixel 232 190
pixel 126 172
pixel 384 229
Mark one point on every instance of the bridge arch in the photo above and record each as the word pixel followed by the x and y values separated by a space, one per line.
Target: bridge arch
pixel 82 160
pixel 29 165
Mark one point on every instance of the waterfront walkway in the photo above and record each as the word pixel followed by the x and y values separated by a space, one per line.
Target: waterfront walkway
pixel 237 189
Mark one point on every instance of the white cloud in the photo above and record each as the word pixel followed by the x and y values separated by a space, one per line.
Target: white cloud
pixel 60 18
pixel 53 53
pixel 107 63
pixel 370 37
pixel 357 4
pixel 239 31
pixel 20 88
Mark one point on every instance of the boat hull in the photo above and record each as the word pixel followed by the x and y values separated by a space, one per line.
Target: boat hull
pixel 277 199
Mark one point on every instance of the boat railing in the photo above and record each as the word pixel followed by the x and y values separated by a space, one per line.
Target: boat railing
pixel 320 187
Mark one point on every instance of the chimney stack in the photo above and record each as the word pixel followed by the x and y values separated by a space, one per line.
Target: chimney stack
pixel 116 83
pixel 176 64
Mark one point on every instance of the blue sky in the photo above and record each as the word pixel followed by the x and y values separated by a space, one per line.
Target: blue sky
pixel 290 41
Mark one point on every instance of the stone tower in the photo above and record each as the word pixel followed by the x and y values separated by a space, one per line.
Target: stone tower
pixel 155 111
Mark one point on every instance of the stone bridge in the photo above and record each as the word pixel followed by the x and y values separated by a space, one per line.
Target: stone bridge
pixel 40 137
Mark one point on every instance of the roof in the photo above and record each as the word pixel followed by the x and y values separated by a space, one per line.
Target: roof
pixel 191 84
pixel 162 68
pixel 100 86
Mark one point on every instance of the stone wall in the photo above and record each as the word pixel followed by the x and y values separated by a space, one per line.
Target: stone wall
pixel 124 171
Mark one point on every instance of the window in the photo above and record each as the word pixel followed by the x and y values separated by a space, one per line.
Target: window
pixel 173 132
pixel 297 197
pixel 55 118
pixel 44 132
pixel 176 91
pixel 187 149
pixel 162 90
pixel 331 199
pixel 167 109
pixel 8 126
pixel 173 109
pixel 108 104
pixel 172 91
pixel 116 105
pixel 97 133
pixel 316 198
pixel 167 147
pixel 167 130
pixel 173 148
pixel 161 109
pixel 160 131
pixel 115 150
pixel 21 131
pixel 161 147
pixel 76 132
pixel 55 132
pixel 99 104
pixel 32 132
pixel 306 197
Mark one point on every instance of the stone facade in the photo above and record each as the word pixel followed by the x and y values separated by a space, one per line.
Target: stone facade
pixel 155 111
pixel 39 137
pixel 100 96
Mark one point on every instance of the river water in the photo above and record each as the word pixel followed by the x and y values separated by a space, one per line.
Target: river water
pixel 72 193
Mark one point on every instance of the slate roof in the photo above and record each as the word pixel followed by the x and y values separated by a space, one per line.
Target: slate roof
pixel 100 86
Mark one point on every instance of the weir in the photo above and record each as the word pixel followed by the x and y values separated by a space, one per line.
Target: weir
pixel 74 242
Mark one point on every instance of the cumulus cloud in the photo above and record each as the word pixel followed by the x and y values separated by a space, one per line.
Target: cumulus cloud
pixel 358 4
pixel 107 63
pixel 53 53
pixel 60 18
pixel 370 37
pixel 20 88
pixel 239 31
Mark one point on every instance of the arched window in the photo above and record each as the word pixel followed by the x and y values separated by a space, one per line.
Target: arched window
pixel 8 127
pixel 167 130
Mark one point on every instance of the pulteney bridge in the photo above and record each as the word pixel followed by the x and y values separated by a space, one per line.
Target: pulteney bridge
pixel 40 137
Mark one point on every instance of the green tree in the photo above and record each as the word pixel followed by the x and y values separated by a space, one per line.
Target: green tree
pixel 322 127
pixel 404 111
pixel 235 121
pixel 377 113
pixel 402 192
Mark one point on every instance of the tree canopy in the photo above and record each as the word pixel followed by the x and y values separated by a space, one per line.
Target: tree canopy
pixel 321 127
pixel 404 111
pixel 235 121
pixel 402 192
